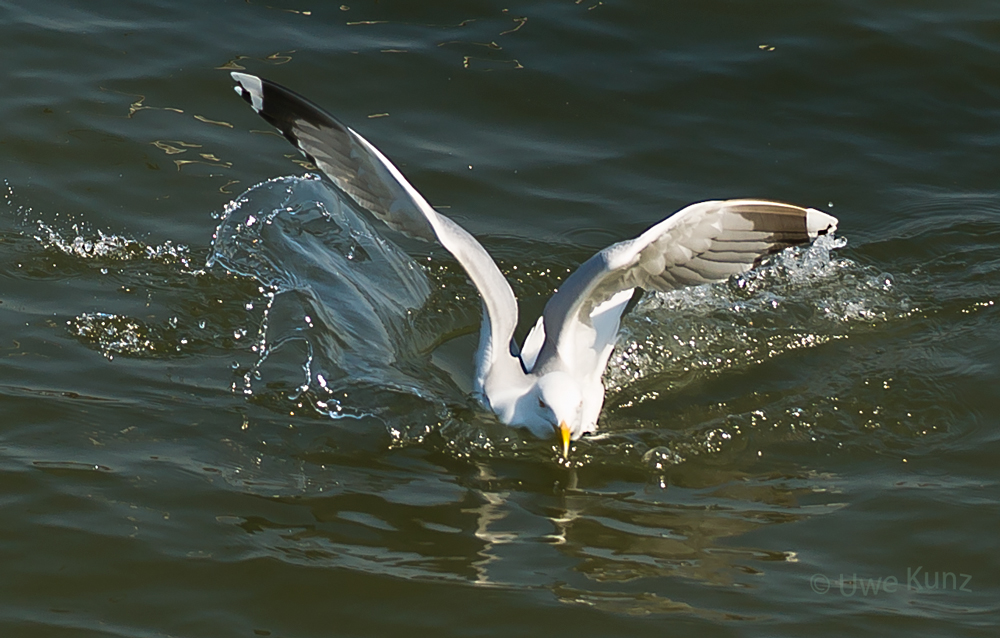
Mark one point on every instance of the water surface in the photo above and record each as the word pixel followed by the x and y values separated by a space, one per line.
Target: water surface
pixel 210 427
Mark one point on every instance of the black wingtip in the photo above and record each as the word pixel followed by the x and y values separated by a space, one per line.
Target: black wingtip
pixel 282 107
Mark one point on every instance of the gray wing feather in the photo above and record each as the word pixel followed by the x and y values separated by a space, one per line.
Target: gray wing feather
pixel 360 170
pixel 703 243
pixel 346 158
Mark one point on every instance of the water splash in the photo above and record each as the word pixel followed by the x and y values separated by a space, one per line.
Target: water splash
pixel 801 298
pixel 120 335
pixel 82 243
pixel 323 317
pixel 341 299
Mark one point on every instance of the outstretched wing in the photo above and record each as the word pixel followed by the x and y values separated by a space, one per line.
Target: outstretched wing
pixel 359 170
pixel 705 242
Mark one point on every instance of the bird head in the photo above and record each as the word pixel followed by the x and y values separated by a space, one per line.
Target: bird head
pixel 561 405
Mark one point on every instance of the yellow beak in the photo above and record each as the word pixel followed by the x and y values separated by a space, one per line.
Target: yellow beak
pixel 564 433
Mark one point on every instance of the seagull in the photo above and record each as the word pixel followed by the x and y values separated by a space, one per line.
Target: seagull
pixel 550 385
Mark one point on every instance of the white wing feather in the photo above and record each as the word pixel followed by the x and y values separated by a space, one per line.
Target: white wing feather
pixel 702 243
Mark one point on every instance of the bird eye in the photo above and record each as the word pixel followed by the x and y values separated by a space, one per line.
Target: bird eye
pixel 541 404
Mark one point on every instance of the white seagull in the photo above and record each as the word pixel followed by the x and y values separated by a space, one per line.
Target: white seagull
pixel 551 385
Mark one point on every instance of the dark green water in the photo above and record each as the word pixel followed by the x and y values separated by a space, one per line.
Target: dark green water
pixel 772 449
